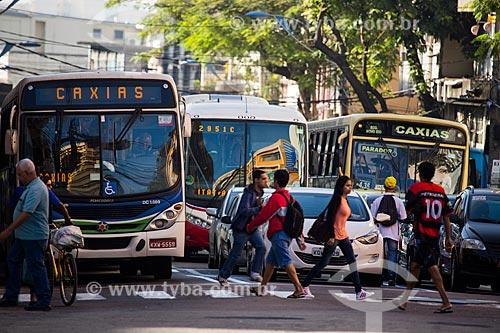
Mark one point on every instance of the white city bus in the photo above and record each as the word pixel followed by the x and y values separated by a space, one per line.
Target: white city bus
pixel 231 136
pixel 112 144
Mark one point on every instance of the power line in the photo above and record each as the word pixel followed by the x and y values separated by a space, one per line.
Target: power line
pixel 9 6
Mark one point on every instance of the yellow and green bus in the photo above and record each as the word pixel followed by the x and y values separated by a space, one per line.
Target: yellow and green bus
pixel 371 147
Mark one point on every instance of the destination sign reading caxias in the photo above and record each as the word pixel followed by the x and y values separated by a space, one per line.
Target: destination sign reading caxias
pixel 77 94
pixel 410 131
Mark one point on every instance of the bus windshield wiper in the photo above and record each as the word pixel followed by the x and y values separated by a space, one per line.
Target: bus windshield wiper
pixel 225 184
pixel 128 125
pixel 386 148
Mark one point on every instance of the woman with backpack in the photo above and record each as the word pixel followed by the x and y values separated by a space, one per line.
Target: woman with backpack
pixel 338 212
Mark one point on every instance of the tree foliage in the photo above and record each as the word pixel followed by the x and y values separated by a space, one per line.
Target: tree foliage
pixel 358 39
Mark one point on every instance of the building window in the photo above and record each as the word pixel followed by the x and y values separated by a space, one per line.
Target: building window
pixel 97 33
pixel 119 34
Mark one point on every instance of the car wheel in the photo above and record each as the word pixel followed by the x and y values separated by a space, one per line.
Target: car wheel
pixel 457 283
pixel 211 259
pixel 220 257
pixel 495 286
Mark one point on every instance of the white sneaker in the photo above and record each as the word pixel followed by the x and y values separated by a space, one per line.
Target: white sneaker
pixel 254 276
pixel 307 292
pixel 363 295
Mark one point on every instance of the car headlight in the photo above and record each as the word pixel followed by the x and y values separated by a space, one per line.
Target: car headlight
pixel 165 219
pixel 369 238
pixel 473 244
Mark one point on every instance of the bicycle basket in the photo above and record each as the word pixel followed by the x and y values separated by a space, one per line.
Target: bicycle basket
pixel 68 237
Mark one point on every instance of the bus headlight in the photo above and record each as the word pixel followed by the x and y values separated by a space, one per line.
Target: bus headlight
pixel 165 219
pixel 199 222
pixel 369 238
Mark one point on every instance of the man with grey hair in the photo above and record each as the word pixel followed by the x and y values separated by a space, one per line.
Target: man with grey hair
pixel 31 234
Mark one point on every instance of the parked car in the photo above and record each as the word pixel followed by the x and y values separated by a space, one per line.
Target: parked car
pixel 220 234
pixel 365 236
pixel 475 232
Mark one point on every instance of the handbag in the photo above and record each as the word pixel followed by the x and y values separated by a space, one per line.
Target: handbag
pixel 320 230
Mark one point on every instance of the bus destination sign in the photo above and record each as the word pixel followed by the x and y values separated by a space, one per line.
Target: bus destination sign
pixel 77 94
pixel 410 131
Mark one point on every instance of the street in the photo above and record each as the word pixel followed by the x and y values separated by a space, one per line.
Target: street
pixel 192 301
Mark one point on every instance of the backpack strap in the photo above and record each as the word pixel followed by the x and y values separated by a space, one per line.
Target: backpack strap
pixel 287 203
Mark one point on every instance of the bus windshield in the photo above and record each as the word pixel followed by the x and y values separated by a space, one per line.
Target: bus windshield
pixel 222 154
pixel 104 155
pixel 373 161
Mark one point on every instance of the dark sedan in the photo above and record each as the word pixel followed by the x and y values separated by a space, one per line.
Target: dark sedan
pixel 475 258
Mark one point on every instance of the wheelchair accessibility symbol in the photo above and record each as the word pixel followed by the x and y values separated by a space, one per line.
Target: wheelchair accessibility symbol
pixel 110 188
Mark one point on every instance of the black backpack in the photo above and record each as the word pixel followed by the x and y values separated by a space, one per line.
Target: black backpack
pixel 294 218
pixel 388 206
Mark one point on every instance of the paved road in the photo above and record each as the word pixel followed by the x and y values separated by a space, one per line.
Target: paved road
pixel 192 301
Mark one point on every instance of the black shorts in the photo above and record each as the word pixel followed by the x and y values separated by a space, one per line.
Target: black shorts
pixel 425 254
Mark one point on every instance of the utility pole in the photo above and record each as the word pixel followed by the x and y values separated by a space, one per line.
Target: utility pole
pixel 494 116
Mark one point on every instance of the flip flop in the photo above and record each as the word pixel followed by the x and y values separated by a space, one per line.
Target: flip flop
pixel 297 295
pixel 446 310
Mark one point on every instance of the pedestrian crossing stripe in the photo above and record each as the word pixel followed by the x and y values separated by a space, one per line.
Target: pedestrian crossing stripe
pixel 154 295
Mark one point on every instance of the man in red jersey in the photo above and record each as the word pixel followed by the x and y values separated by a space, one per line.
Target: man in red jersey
pixel 429 204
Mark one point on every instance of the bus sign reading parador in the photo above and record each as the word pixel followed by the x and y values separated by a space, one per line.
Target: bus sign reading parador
pixel 77 94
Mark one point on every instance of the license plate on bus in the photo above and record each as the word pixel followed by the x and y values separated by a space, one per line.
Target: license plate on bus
pixel 163 243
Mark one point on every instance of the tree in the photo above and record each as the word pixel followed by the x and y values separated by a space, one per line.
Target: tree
pixel 215 29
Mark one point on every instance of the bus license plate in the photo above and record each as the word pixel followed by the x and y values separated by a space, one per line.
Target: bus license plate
pixel 164 243
pixel 317 251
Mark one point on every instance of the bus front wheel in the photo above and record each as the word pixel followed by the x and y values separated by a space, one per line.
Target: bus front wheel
pixel 160 267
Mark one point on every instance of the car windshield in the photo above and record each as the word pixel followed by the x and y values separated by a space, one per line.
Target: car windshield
pixel 485 208
pixel 314 203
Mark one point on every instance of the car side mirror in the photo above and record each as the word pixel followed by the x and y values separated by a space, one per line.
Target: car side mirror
pixel 212 211
pixel 226 219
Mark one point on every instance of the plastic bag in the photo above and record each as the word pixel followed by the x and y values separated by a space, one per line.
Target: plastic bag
pixel 69 237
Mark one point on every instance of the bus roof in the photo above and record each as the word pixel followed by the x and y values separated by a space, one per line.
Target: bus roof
pixel 242 109
pixel 353 118
pixel 220 98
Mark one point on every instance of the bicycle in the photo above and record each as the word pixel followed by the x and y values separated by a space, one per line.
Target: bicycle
pixel 62 269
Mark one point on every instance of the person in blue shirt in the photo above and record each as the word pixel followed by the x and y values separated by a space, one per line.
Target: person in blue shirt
pixel 31 233
pixel 54 202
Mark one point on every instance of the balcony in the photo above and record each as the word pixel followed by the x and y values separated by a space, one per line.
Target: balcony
pixel 447 90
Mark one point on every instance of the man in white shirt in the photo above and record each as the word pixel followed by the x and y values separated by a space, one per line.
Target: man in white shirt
pixel 391 234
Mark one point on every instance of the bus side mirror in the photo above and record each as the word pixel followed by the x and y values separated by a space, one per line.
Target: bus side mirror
pixel 11 145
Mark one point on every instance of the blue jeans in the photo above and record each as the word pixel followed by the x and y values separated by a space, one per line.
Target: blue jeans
pixel 328 250
pixel 34 252
pixel 240 240
pixel 392 257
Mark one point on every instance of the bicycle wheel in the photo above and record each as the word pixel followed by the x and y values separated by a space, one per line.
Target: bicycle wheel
pixel 49 265
pixel 69 279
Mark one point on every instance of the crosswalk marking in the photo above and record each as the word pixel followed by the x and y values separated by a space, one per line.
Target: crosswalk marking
pixel 154 295
pixel 221 293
